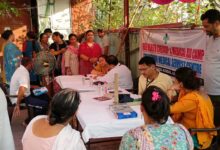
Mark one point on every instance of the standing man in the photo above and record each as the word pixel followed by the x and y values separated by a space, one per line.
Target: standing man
pixel 103 41
pixel 211 23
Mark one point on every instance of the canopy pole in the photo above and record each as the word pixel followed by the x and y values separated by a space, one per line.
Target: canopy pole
pixel 126 25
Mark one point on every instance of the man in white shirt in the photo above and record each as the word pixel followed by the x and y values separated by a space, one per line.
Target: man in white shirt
pixel 20 86
pixel 211 23
pixel 103 41
pixel 151 76
pixel 124 74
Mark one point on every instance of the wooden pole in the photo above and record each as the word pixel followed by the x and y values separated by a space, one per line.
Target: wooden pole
pixel 126 25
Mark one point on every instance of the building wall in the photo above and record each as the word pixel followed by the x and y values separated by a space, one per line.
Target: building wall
pixel 82 15
pixel 19 24
pixel 56 16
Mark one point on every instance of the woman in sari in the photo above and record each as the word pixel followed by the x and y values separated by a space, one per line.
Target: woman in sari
pixel 11 53
pixel 156 133
pixel 70 61
pixel 194 108
pixel 89 52
pixel 101 67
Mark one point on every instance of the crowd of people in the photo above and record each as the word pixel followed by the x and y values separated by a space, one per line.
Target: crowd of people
pixel 179 97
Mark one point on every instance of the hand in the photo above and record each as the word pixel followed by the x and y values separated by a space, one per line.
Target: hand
pixel 100 74
pixel 93 60
pixel 16 111
pixel 63 50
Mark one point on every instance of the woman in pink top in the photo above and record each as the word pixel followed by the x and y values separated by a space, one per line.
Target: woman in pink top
pixel 89 51
pixel 70 61
pixel 53 132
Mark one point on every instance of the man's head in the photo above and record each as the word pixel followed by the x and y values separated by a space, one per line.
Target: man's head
pixel 27 63
pixel 48 32
pixel 211 22
pixel 56 37
pixel 31 35
pixel 100 33
pixel 147 66
pixel 112 61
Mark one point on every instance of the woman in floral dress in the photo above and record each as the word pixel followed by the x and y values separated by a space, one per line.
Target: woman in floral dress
pixel 157 133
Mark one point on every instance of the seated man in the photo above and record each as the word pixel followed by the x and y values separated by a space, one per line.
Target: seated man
pixel 20 87
pixel 151 76
pixel 124 74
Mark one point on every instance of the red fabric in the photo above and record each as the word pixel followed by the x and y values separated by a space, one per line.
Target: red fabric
pixel 56 87
pixel 162 2
pixel 85 67
pixel 24 46
pixel 187 1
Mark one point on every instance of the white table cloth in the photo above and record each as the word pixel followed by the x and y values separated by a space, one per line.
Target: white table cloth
pixel 95 116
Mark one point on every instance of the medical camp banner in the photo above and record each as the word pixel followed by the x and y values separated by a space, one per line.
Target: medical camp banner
pixel 174 48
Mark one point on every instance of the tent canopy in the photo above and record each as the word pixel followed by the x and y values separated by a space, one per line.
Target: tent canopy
pixel 163 2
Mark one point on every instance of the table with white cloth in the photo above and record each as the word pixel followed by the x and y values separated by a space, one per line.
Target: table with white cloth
pixel 95 117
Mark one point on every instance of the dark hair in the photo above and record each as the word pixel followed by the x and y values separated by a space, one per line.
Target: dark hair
pixel 61 36
pixel 104 56
pixel 47 30
pixel 41 36
pixel 147 60
pixel 71 35
pixel 89 31
pixel 31 35
pixel 57 34
pixel 63 106
pixel 26 61
pixel 100 30
pixel 212 15
pixel 158 110
pixel 6 34
pixel 188 77
pixel 112 60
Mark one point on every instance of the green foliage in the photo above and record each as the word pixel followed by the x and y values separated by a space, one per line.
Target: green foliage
pixel 6 9
pixel 103 13
pixel 147 13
